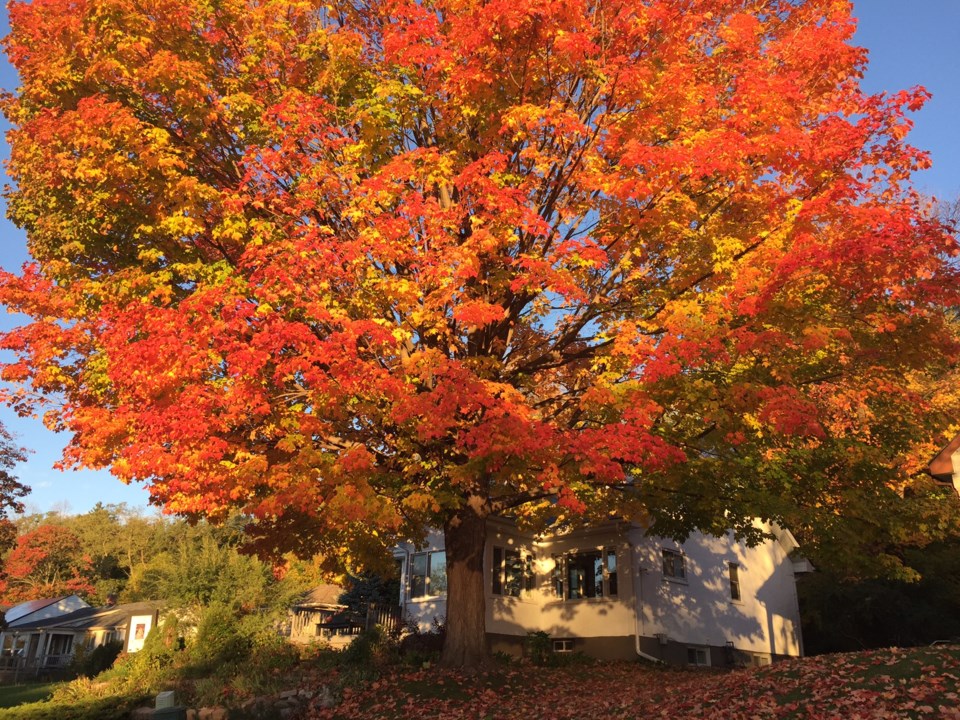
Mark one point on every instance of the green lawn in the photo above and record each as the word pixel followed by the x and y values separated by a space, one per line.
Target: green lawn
pixel 13 695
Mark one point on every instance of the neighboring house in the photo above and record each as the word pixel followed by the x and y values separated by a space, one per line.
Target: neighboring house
pixel 945 467
pixel 50 643
pixel 316 608
pixel 14 644
pixel 612 592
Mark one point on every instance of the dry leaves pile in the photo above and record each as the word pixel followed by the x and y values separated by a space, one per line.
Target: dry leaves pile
pixel 895 683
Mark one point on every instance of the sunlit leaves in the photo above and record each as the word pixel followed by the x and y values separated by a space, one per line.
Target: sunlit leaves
pixel 345 265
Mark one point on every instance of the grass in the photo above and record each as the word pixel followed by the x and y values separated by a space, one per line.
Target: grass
pixel 13 695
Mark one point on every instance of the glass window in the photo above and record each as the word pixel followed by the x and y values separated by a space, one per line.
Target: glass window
pixel 418 575
pixel 428 574
pixel 511 572
pixel 673 565
pixel 611 571
pixel 558 575
pixel 584 575
pixel 438 573
pixel 496 573
pixel 589 574
pixel 697 656
pixel 734 575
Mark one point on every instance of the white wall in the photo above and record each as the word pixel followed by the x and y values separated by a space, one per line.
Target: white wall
pixel 541 608
pixel 421 610
pixel 697 611
pixel 700 611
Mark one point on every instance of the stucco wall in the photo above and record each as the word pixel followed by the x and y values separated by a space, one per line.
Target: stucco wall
pixel 697 611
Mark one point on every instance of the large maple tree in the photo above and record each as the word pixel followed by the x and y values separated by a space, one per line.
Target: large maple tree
pixel 358 269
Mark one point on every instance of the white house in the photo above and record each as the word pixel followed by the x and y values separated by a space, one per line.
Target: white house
pixel 612 592
pixel 39 642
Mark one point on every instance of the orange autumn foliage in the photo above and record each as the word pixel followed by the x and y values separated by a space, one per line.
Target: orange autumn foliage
pixel 351 267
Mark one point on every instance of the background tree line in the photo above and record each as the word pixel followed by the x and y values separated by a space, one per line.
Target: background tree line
pixel 114 550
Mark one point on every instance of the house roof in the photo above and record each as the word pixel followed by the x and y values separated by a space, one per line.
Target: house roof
pixel 30 607
pixel 941 467
pixel 91 618
pixel 325 594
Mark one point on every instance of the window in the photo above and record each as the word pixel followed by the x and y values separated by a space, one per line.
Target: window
pixel 428 574
pixel 733 570
pixel 673 565
pixel 563 646
pixel 512 572
pixel 698 656
pixel 589 574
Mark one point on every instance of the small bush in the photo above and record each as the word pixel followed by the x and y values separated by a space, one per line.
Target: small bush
pixel 538 649
pixel 372 647
pixel 93 662
pixel 418 646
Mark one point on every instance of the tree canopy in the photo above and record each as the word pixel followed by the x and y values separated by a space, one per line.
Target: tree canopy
pixel 362 268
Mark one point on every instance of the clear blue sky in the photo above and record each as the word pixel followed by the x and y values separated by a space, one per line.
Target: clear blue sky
pixel 910 43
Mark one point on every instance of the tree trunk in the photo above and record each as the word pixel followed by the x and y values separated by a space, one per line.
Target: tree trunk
pixel 465 535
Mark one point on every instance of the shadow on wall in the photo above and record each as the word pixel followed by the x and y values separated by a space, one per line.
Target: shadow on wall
pixel 701 608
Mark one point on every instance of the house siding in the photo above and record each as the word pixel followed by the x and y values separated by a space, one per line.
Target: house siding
pixel 662 616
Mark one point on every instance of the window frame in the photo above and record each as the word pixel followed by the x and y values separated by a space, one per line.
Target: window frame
pixel 523 578
pixel 427 575
pixel 734 584
pixel 609 585
pixel 698 651
pixel 678 560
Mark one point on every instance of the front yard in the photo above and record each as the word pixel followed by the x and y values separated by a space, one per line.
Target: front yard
pixel 917 683
pixel 13 695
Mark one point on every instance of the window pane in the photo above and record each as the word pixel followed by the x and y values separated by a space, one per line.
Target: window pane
pixel 558 575
pixel 612 571
pixel 673 564
pixel 438 573
pixel 512 573
pixel 734 581
pixel 418 576
pixel 528 577
pixel 497 571
pixel 585 575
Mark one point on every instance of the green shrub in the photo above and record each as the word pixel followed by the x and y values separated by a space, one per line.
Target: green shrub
pixel 538 648
pixel 93 662
pixel 372 647
pixel 418 646
pixel 108 708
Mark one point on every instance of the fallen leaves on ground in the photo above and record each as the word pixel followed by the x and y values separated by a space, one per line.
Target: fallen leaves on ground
pixel 918 683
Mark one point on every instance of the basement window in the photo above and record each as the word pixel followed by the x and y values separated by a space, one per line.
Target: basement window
pixel 698 656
